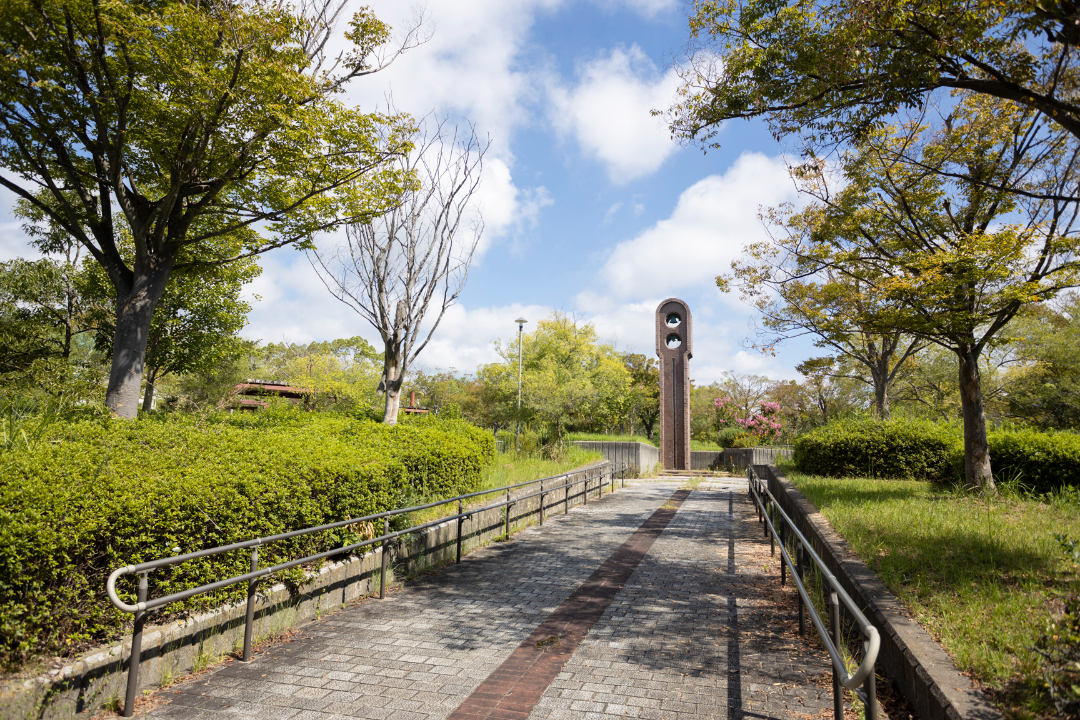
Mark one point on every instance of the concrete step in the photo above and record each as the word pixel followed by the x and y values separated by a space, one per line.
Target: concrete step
pixel 696 473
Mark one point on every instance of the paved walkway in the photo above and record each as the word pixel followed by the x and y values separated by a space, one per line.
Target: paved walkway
pixel 650 603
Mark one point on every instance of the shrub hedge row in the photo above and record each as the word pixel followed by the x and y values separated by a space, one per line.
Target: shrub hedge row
pixel 871 448
pixel 924 450
pixel 99 494
pixel 1041 461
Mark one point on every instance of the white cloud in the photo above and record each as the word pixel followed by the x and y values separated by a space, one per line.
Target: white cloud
pixel 607 113
pixel 711 223
pixel 466 337
pixel 679 256
pixel 648 8
pixel 468 67
pixel 611 213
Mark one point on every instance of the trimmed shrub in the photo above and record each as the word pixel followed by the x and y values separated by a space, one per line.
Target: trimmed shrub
pixel 95 495
pixel 1042 461
pixel 915 449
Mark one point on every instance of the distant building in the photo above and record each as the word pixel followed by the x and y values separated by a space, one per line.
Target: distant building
pixel 246 395
pixel 412 409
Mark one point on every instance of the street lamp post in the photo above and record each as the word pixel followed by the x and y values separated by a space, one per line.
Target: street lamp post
pixel 517 436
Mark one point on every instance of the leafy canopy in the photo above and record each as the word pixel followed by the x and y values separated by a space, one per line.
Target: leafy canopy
pixel 836 68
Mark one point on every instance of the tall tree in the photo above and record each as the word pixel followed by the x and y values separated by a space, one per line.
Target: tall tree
pixel 195 325
pixel 190 123
pixel 1044 389
pixel 644 390
pixel 836 67
pixel 409 265
pixel 831 306
pixel 953 261
pixel 491 398
pixel 42 311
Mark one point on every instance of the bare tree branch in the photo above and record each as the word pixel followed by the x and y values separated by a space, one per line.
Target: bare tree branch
pixel 401 271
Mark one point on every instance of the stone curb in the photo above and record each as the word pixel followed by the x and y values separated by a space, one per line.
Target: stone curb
pixel 924 673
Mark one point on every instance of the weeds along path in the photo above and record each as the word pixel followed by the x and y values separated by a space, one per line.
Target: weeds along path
pixel 653 602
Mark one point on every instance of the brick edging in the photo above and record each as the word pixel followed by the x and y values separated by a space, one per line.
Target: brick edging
pixel 923 672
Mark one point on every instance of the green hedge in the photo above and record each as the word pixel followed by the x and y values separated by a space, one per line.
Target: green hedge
pixel 915 449
pixel 1042 461
pixel 95 495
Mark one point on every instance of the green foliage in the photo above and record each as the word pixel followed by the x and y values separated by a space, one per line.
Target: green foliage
pixel 568 376
pixel 94 495
pixel 866 447
pixel 976 571
pixel 1060 648
pixel 1045 388
pixel 120 93
pixel 1040 461
pixel 195 324
pixel 831 69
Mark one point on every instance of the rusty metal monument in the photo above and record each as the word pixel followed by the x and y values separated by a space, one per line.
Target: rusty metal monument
pixel 675 348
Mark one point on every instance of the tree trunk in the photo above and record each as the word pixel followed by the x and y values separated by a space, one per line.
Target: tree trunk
pixel 392 378
pixel 881 398
pixel 148 397
pixel 977 471
pixel 134 311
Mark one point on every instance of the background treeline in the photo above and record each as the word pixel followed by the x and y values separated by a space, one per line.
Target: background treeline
pixel 55 335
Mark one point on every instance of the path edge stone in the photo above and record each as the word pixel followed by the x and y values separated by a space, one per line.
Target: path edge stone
pixel 922 670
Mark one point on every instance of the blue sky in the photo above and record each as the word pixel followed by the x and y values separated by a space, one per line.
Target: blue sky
pixel 589 207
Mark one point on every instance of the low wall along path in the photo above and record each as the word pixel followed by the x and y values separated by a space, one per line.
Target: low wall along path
pixel 653 602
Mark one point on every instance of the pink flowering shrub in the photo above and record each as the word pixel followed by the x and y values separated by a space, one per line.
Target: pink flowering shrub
pixel 762 426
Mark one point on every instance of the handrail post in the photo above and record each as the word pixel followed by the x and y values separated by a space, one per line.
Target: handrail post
pixel 585 495
pixel 385 557
pixel 783 565
pixel 249 623
pixel 541 501
pixel 566 495
pixel 870 686
pixel 798 596
pixel 508 506
pixel 136 650
pixel 460 522
pixel 838 697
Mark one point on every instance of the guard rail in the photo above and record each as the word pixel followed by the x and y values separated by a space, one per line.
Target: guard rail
pixel 143 604
pixel 767 505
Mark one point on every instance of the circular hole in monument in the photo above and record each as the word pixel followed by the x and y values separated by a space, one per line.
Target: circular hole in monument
pixel 673 341
pixel 673 320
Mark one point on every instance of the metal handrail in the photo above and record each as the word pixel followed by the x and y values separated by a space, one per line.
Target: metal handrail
pixel 142 605
pixel 864 674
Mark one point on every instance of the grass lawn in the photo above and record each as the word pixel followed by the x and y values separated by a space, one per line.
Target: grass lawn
pixel 601 437
pixel 981 576
pixel 510 469
pixel 694 444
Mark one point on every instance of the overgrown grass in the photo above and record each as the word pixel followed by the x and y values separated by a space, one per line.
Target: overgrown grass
pixel 981 575
pixel 601 437
pixel 509 469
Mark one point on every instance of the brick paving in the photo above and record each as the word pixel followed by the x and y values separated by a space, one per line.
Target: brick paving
pixel 694 626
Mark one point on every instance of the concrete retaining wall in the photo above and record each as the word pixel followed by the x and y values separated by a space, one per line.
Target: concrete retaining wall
pixel 924 673
pixel 642 458
pixel 737 459
pixel 175 649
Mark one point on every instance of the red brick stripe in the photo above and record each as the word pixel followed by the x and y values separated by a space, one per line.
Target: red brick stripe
pixel 514 688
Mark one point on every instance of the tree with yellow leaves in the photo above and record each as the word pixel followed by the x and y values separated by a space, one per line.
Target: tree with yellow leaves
pixel 945 259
